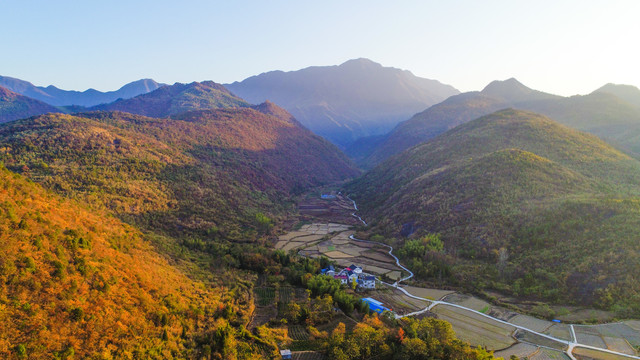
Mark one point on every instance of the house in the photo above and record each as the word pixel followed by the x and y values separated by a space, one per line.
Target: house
pixel 327 196
pixel 375 305
pixel 343 278
pixel 356 269
pixel 367 282
pixel 329 270
pixel 286 354
pixel 351 276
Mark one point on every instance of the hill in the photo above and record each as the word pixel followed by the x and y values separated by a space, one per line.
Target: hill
pixel 58 97
pixel 343 103
pixel 78 283
pixel 14 106
pixel 628 93
pixel 177 98
pixel 524 205
pixel 602 114
pixel 207 175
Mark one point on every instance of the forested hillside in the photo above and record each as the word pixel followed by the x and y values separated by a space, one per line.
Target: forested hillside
pixel 523 205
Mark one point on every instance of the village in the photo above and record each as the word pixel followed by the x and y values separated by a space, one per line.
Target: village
pixel 352 275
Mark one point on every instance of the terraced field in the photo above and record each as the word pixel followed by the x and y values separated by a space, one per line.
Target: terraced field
pixel 618 337
pixel 433 294
pixel 307 355
pixel 476 329
pixel 298 332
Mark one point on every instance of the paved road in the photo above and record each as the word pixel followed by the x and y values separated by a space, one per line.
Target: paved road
pixel 569 344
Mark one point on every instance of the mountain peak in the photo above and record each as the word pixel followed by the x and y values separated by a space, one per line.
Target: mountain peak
pixel 628 93
pixel 512 90
pixel 505 87
pixel 361 62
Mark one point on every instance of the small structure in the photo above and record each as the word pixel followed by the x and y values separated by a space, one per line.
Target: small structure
pixel 375 305
pixel 327 196
pixel 352 276
pixel 329 270
pixel 286 354
pixel 367 282
pixel 343 278
pixel 356 269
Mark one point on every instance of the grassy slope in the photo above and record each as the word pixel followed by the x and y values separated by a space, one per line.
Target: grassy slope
pixel 562 203
pixel 204 173
pixel 177 98
pixel 15 106
pixel 74 280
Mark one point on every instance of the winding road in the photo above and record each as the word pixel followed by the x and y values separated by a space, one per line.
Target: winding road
pixel 569 344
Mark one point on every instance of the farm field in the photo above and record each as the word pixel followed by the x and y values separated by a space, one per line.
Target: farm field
pixel 307 355
pixel 588 354
pixel 468 301
pixel 332 240
pixel 532 323
pixel 531 338
pixel 298 332
pixel 397 301
pixel 433 294
pixel 476 329
pixel 560 331
pixel 548 354
pixel 520 350
pixel 617 337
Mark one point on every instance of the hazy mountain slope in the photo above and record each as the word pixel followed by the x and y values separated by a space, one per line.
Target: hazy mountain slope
pixel 199 171
pixel 78 282
pixel 14 106
pixel 431 122
pixel 57 97
pixel 342 103
pixel 602 114
pixel 177 98
pixel 553 198
pixel 628 93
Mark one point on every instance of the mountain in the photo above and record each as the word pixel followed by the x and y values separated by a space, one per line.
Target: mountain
pixel 57 97
pixel 78 283
pixel 204 174
pixel 523 204
pixel 602 114
pixel 177 98
pixel 14 106
pixel 343 103
pixel 628 93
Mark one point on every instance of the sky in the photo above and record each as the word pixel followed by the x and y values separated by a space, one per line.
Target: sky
pixel 561 47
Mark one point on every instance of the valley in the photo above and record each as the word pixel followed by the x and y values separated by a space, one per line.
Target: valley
pixel 474 320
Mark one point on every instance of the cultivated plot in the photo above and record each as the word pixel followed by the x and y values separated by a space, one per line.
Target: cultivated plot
pixel 476 329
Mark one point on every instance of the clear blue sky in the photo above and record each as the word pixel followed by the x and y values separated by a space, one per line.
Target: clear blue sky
pixel 563 47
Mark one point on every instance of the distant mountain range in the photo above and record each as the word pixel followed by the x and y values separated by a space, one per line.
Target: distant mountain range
pixel 558 204
pixel 601 113
pixel 14 106
pixel 58 97
pixel 343 103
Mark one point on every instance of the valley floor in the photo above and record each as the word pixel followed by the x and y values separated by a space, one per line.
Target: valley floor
pixel 474 320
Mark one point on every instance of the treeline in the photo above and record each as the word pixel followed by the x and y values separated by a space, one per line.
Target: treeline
pixel 406 339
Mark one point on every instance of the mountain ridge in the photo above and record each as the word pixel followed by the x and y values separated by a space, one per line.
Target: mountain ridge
pixel 177 98
pixel 346 101
pixel 600 113
pixel 90 97
pixel 14 106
